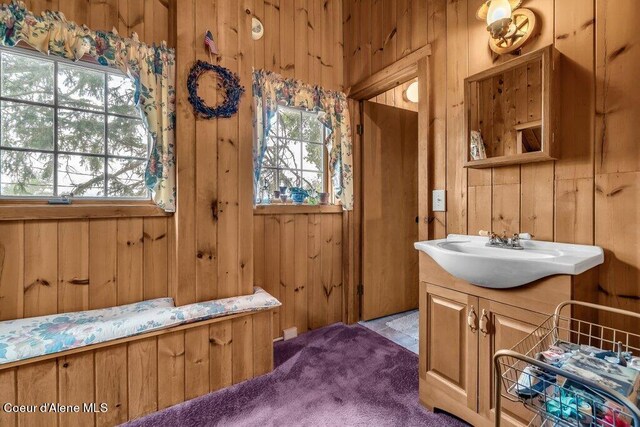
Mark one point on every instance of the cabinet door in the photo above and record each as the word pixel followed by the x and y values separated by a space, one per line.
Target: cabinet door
pixel 506 325
pixel 451 350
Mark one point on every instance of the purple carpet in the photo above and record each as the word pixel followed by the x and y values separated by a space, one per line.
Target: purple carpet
pixel 335 376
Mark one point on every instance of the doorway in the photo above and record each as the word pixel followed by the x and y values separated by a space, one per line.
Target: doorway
pixel 390 210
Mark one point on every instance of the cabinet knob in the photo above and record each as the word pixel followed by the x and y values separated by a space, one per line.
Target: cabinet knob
pixel 472 319
pixel 484 323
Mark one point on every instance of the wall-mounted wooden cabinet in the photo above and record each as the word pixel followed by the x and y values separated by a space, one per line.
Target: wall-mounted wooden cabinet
pixel 510 111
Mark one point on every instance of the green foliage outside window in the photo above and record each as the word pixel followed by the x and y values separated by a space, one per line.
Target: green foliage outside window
pixel 68 128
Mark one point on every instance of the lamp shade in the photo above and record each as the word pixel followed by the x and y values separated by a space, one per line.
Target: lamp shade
pixel 498 9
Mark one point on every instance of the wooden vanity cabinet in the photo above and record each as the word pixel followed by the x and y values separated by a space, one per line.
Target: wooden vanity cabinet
pixel 462 326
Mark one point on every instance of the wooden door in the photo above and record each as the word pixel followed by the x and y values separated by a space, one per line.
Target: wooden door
pixel 507 325
pixel 452 351
pixel 390 200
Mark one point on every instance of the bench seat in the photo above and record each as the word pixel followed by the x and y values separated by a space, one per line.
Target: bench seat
pixel 38 336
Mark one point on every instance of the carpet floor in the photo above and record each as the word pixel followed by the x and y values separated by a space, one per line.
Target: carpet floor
pixel 335 376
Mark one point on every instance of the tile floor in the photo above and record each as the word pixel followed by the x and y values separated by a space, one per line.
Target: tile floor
pixel 380 326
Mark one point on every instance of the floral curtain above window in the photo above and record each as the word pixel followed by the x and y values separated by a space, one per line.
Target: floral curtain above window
pixel 270 90
pixel 152 69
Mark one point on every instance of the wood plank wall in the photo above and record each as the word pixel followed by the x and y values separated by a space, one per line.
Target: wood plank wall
pixel 55 266
pixel 591 194
pixel 303 40
pixel 141 376
pixel 298 259
pixel 210 238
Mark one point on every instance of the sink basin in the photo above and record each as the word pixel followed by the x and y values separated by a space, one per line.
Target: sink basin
pixel 467 258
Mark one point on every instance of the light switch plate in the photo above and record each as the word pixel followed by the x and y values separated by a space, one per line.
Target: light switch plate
pixel 439 203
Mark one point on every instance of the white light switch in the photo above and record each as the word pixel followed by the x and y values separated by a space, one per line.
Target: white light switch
pixel 439 201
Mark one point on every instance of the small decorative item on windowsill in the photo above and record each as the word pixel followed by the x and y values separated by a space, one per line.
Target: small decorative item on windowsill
pixel 298 195
pixel 324 198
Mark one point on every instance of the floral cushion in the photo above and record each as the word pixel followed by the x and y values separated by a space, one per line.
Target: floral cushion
pixel 38 336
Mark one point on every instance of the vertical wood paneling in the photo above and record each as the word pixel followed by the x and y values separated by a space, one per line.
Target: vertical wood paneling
pixel 37 385
pixel 75 387
pixel 228 150
pixel 302 258
pixel 155 258
pixel 220 354
pixel 206 133
pixel 11 269
pixel 300 286
pixel 40 268
pixel 73 265
pixel 8 394
pixel 111 384
pixel 242 349
pixel 185 218
pixel 142 377
pixel 130 260
pixel 262 344
pixel 196 362
pixel 245 49
pixel 103 263
pixel 172 369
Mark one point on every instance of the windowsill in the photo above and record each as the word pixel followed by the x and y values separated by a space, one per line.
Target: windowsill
pixel 29 210
pixel 290 209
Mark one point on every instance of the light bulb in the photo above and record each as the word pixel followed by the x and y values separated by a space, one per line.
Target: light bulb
pixel 411 93
pixel 498 9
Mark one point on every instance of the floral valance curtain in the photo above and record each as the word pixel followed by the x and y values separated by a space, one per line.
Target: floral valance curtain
pixel 270 90
pixel 152 69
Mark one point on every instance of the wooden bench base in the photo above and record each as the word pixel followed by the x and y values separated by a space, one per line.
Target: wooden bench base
pixel 139 375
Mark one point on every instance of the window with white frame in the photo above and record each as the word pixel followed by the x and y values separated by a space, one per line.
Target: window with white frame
pixel 295 155
pixel 68 128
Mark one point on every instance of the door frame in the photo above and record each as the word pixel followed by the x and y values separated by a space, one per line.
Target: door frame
pixel 415 64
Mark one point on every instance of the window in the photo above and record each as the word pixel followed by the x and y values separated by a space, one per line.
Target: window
pixel 295 155
pixel 68 128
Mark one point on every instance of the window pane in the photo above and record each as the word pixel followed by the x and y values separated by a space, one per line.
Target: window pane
pixel 80 132
pixel 81 175
pixel 289 178
pixel 120 95
pixel 268 177
pixel 17 70
pixel 126 178
pixel 80 87
pixel 290 154
pixel 312 181
pixel 27 126
pixel 312 156
pixel 127 137
pixel 289 123
pixel 25 173
pixel 311 128
pixel 270 156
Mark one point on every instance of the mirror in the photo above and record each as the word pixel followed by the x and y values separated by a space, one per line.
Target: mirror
pixel 509 112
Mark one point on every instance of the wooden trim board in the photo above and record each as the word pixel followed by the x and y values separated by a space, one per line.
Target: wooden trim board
pixel 389 77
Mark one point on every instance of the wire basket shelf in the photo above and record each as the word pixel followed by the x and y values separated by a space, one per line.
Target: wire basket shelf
pixel 589 391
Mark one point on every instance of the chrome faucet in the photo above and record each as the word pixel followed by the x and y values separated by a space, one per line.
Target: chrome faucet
pixel 504 241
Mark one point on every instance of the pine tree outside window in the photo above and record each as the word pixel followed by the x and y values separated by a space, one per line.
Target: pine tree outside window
pixel 68 127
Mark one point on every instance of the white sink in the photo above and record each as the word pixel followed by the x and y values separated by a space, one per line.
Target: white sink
pixel 467 258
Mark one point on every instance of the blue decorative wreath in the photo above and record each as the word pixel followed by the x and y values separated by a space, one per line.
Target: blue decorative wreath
pixel 228 81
